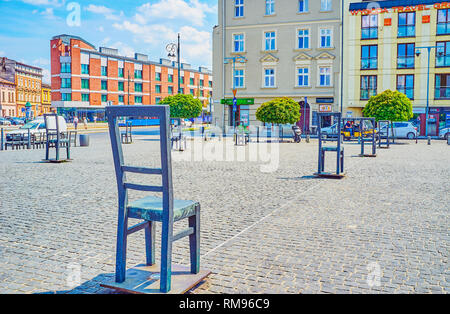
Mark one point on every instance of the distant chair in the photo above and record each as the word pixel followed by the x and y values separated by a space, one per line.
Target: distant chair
pixel 55 138
pixel 151 209
pixel 177 139
pixel 126 136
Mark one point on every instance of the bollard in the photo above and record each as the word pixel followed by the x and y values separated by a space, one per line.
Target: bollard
pixel 1 139
pixel 308 138
pixel 448 140
pixel 257 134
pixel 429 140
pixel 29 140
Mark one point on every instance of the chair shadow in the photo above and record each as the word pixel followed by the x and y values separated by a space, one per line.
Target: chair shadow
pixel 91 286
pixel 311 177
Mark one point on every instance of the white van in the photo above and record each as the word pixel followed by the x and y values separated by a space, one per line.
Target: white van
pixel 37 126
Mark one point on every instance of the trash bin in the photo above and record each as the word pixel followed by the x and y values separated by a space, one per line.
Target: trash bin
pixel 84 140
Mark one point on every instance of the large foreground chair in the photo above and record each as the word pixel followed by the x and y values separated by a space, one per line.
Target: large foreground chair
pixel 151 209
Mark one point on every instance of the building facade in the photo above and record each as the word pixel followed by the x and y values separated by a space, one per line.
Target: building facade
pixel 46 99
pixel 385 48
pixel 7 98
pixel 85 80
pixel 282 48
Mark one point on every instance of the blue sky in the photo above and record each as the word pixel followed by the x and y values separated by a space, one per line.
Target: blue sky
pixel 144 26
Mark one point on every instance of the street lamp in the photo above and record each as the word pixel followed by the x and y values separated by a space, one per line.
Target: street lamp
pixel 227 60
pixel 174 52
pixel 418 53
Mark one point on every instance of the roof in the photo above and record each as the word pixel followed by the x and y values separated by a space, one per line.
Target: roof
pixel 66 39
pixel 6 81
pixel 390 3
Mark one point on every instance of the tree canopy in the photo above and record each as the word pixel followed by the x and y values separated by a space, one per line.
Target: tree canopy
pixel 183 106
pixel 282 110
pixel 389 105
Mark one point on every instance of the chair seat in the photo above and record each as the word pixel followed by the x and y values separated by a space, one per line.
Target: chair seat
pixel 331 148
pixel 150 208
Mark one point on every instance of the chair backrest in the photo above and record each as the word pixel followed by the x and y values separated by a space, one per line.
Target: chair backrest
pixel 162 113
pixel 51 123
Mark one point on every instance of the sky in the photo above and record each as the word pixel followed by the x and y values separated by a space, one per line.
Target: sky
pixel 143 26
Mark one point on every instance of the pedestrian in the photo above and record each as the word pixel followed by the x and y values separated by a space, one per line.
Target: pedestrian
pixel 75 122
pixel 85 123
pixel 95 119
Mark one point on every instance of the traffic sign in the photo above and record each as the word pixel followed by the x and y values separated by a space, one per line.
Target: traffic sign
pixel 240 101
pixel 234 92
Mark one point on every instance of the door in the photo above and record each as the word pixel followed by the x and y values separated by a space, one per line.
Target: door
pixel 305 110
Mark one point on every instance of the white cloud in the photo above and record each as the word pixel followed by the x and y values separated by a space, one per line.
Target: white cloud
pixel 192 11
pixel 108 13
pixel 56 3
pixel 48 14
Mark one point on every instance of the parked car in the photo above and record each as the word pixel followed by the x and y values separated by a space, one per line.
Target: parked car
pixel 401 130
pixel 36 126
pixel 4 121
pixel 444 133
pixel 331 131
pixel 16 121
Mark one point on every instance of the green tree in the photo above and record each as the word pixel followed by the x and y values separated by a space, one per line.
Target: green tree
pixel 183 106
pixel 282 110
pixel 389 105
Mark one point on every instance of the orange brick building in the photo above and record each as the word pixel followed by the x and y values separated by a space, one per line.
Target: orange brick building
pixel 85 80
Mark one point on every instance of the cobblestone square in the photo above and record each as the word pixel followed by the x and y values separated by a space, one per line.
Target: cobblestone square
pixel 382 229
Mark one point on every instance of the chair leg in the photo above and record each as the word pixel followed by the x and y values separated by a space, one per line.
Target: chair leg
pixel 166 256
pixel 47 150
pixel 194 241
pixel 68 150
pixel 150 243
pixel 121 254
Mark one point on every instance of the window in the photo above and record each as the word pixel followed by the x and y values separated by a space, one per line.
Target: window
pixel 270 7
pixel 192 81
pixel 238 43
pixel 84 97
pixel 443 22
pixel 66 83
pixel 369 26
pixel 407 24
pixel 158 76
pixel 325 5
pixel 442 86
pixel 104 85
pixel 302 77
pixel 157 100
pixel 369 57
pixel 138 74
pixel 121 99
pixel 104 98
pixel 368 86
pixel 66 97
pixel 170 78
pixel 210 83
pixel 325 38
pixel 238 8
pixel 170 90
pixel 238 78
pixel 182 80
pixel 85 69
pixel 405 85
pixel 137 87
pixel 121 86
pixel 443 54
pixel 84 84
pixel 182 90
pixel 158 89
pixel 269 77
pixel 65 68
pixel 270 41
pixel 120 72
pixel 192 92
pixel 138 99
pixel 406 56
pixel 324 76
pixel 302 6
pixel 104 71
pixel 303 38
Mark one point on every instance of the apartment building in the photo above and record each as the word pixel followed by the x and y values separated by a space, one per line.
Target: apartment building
pixel 28 82
pixel 276 48
pixel 85 80
pixel 46 98
pixel 7 98
pixel 385 48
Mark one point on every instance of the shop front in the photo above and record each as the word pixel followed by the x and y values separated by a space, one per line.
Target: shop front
pixel 438 117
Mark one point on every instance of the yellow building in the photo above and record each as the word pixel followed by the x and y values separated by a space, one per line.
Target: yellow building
pixel 382 41
pixel 28 88
pixel 46 99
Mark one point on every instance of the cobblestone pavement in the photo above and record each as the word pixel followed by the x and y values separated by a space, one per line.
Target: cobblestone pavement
pixel 382 229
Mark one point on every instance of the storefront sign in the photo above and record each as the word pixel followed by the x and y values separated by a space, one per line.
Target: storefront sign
pixel 375 8
pixel 329 100
pixel 325 108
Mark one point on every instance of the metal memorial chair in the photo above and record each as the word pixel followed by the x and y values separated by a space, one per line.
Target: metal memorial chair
pixel 152 209
pixel 339 149
pixel 55 138
pixel 177 139
pixel 126 136
pixel 368 137
pixel 384 133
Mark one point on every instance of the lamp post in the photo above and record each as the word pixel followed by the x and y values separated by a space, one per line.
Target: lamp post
pixel 418 53
pixel 174 52
pixel 234 59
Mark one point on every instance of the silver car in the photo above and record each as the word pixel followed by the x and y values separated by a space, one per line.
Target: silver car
pixel 444 133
